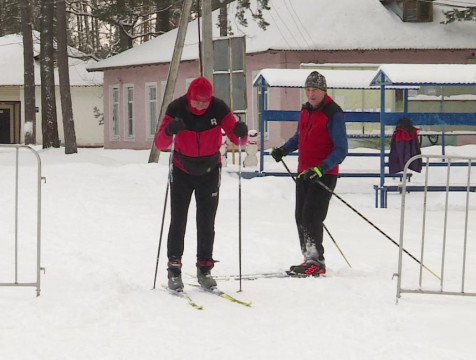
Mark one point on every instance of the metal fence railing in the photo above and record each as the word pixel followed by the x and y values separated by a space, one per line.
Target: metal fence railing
pixel 16 281
pixel 441 227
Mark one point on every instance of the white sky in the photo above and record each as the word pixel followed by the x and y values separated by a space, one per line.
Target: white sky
pixel 101 216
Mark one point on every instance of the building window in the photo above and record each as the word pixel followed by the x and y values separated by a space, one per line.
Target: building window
pixel 151 109
pixel 129 112
pixel 114 113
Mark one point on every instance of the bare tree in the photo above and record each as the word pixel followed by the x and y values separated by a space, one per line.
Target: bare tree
pixel 29 73
pixel 2 12
pixel 49 121
pixel 9 17
pixel 63 69
pixel 163 23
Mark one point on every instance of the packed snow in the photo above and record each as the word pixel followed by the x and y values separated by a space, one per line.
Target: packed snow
pixel 101 217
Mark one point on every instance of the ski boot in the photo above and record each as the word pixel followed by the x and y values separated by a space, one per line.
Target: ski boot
pixel 174 270
pixel 204 277
pixel 308 268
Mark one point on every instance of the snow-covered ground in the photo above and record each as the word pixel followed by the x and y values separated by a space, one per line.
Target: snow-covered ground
pixel 101 220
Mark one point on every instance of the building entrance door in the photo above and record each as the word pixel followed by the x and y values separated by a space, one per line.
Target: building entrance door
pixel 5 126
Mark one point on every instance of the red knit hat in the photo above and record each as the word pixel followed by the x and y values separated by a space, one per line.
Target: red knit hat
pixel 200 89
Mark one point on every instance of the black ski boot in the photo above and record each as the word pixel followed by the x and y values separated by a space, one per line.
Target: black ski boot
pixel 174 270
pixel 204 276
pixel 308 268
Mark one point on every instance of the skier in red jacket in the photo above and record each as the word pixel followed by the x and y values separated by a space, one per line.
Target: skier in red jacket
pixel 196 120
pixel 322 142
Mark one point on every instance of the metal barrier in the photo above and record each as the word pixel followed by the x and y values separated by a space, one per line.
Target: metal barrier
pixel 452 248
pixel 38 218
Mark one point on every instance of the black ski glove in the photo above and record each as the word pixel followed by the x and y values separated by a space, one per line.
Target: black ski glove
pixel 174 127
pixel 277 153
pixel 313 174
pixel 240 130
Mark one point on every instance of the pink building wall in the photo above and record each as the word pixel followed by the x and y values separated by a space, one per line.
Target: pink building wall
pixel 279 98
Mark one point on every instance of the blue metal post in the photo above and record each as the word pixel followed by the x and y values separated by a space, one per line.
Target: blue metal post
pixel 261 153
pixel 443 143
pixel 382 139
pixel 405 101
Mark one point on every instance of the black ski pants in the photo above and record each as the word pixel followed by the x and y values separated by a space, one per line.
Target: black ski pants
pixel 206 188
pixel 312 203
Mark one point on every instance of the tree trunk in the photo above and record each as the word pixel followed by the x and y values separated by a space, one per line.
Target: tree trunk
pixel 80 39
pixel 63 68
pixel 95 31
pixel 125 41
pixel 49 121
pixel 87 33
pixel 2 14
pixel 163 16
pixel 223 17
pixel 29 73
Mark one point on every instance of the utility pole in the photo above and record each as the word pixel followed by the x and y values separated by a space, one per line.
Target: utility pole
pixel 173 71
pixel 207 43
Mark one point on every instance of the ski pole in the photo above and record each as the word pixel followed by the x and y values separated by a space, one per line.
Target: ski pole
pixel 169 180
pixel 337 246
pixel 239 209
pixel 325 227
pixel 375 227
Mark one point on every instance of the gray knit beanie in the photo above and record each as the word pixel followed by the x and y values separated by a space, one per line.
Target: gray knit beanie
pixel 316 80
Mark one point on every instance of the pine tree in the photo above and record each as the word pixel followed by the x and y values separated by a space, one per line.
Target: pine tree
pixel 29 73
pixel 65 89
pixel 460 14
pixel 49 121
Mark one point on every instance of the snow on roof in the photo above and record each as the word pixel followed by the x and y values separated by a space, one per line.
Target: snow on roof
pixel 312 25
pixel 335 78
pixel 11 63
pixel 429 74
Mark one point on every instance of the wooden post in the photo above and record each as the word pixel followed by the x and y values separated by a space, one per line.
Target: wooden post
pixel 173 71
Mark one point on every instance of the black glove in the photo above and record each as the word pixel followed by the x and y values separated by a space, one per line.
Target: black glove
pixel 313 174
pixel 240 130
pixel 174 127
pixel 277 153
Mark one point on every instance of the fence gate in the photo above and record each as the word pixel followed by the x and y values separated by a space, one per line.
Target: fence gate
pixel 5 151
pixel 447 247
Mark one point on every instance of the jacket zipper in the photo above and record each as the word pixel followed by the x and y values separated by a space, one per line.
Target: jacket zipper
pixel 198 144
pixel 309 126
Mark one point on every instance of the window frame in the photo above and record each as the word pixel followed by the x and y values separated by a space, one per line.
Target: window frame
pixel 113 136
pixel 129 113
pixel 151 123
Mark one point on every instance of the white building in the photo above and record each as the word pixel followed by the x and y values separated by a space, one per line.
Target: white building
pixel 86 94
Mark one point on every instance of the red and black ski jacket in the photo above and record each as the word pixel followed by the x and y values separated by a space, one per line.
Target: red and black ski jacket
pixel 197 148
pixel 321 137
